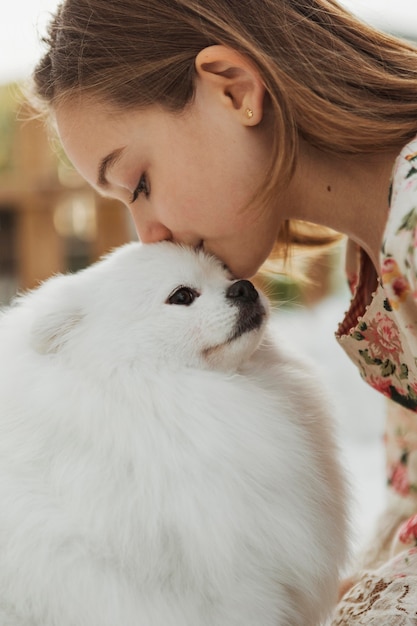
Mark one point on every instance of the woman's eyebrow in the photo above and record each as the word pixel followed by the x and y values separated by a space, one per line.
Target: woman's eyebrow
pixel 105 164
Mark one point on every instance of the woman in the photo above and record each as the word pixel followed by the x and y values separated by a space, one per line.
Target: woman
pixel 221 122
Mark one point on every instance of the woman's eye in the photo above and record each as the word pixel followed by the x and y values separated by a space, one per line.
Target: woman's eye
pixel 141 187
pixel 183 295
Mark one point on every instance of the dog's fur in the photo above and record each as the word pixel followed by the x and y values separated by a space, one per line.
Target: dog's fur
pixel 161 464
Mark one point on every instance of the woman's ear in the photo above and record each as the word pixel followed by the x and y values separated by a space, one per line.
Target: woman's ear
pixel 234 79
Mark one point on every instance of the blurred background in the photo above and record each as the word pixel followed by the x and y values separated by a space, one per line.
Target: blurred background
pixel 50 221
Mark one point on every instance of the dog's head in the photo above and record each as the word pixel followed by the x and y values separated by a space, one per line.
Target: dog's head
pixel 155 304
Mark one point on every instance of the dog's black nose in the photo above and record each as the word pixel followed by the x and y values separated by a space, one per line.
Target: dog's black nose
pixel 242 290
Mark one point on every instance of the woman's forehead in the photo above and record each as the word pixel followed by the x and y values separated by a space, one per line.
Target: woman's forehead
pixel 89 134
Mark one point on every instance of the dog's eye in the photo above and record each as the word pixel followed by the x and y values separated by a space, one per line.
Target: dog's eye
pixel 183 295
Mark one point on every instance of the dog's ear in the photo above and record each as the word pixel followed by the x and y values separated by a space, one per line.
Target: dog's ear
pixel 52 331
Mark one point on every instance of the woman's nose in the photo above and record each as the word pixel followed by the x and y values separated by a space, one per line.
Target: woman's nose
pixel 152 232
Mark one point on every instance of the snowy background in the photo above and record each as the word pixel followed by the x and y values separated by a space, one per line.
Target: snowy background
pixel 359 410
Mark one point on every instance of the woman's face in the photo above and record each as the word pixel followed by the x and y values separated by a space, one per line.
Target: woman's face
pixel 186 177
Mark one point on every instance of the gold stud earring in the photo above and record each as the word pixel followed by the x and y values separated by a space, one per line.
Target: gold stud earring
pixel 249 113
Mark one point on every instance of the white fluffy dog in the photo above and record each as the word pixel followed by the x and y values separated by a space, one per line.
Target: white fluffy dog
pixel 162 463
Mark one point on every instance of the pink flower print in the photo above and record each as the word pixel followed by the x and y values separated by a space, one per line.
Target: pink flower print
pixel 408 531
pixel 399 479
pixel 380 384
pixel 383 337
pixel 396 285
pixel 400 288
pixel 389 270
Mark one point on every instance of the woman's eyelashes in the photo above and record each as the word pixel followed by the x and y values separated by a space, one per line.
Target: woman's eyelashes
pixel 141 187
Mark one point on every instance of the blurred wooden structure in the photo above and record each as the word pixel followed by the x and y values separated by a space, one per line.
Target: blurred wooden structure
pixel 50 220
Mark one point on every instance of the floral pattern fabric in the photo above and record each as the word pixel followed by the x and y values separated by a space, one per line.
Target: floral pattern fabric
pixel 382 339
pixel 379 333
pixel 383 342
pixel 386 596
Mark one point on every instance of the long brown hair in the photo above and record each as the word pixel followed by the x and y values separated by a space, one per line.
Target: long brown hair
pixel 331 79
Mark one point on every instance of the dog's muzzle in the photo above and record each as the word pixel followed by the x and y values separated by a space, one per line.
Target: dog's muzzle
pixel 243 295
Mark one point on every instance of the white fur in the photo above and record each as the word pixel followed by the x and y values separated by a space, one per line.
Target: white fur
pixel 152 472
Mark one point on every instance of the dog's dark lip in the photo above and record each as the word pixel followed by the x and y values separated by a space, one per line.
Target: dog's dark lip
pixel 253 320
pixel 252 323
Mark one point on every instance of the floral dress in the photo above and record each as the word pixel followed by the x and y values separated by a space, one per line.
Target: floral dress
pixel 379 334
